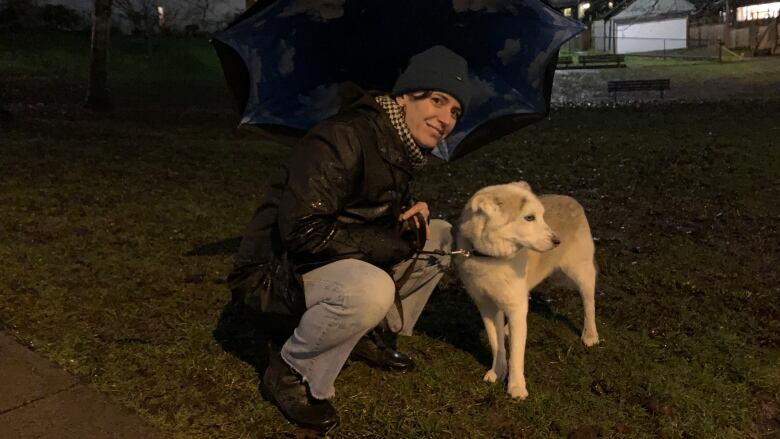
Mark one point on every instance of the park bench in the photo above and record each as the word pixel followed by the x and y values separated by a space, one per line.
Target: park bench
pixel 603 60
pixel 638 85
pixel 564 62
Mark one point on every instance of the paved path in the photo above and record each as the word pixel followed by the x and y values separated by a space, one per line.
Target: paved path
pixel 39 400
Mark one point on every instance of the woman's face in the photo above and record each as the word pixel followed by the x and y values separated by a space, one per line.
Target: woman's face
pixel 430 119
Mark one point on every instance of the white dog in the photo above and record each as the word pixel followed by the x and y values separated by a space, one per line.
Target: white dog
pixel 516 240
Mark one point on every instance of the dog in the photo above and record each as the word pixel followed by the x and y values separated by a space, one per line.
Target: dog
pixel 516 240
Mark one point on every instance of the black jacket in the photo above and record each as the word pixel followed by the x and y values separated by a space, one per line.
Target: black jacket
pixel 339 195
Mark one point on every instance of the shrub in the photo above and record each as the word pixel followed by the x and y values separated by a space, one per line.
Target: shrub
pixel 26 14
pixel 18 14
pixel 60 17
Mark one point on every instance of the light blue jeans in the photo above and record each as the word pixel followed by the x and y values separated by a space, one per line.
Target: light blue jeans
pixel 347 298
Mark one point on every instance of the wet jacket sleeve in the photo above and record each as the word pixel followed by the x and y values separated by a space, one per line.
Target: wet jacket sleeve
pixel 323 172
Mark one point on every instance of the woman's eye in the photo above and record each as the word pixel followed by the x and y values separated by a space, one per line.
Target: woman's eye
pixel 436 100
pixel 456 115
pixel 530 218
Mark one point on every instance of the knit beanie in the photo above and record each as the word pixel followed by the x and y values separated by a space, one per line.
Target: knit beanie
pixel 437 68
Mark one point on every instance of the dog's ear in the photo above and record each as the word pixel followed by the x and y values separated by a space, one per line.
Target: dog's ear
pixel 471 225
pixel 484 203
pixel 523 184
pixel 477 212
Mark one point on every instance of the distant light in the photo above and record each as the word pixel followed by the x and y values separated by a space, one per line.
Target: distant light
pixel 161 16
pixel 758 12
pixel 582 8
pixel 567 12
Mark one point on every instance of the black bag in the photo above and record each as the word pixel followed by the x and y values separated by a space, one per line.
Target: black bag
pixel 270 287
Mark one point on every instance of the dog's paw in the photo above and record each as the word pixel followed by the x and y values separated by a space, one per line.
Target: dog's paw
pixel 590 339
pixel 493 376
pixel 518 392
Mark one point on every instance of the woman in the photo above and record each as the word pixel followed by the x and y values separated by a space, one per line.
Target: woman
pixel 322 254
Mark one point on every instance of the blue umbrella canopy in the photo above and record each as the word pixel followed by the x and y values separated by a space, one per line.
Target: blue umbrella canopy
pixel 287 61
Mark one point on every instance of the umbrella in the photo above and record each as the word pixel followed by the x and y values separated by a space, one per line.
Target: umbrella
pixel 287 61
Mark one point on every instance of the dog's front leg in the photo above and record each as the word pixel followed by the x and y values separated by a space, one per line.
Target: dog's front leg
pixel 517 314
pixel 493 318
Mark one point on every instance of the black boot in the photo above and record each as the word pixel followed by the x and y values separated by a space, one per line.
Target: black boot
pixel 377 349
pixel 283 387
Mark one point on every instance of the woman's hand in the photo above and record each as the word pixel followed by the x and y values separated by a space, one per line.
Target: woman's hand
pixel 420 207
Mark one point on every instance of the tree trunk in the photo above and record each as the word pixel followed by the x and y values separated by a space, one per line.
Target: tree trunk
pixel 97 89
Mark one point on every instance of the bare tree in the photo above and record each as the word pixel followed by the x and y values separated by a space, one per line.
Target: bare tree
pixel 202 11
pixel 141 14
pixel 147 17
pixel 97 89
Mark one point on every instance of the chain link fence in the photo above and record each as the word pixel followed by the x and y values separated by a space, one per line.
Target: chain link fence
pixel 685 48
pixel 695 47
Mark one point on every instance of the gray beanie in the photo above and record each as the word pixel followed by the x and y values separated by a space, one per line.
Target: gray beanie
pixel 437 68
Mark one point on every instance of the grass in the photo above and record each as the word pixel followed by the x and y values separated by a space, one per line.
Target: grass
pixel 117 234
pixel 152 59
pixel 761 71
pixel 144 72
pixel 691 81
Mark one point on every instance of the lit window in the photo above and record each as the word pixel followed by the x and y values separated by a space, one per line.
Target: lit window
pixel 758 12
pixel 581 9
pixel 567 12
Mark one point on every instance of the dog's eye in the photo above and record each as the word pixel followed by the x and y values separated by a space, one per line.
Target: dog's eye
pixel 530 218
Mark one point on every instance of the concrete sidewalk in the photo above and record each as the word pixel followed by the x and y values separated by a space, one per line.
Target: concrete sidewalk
pixel 40 400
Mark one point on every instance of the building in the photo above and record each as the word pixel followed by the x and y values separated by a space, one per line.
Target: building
pixel 756 10
pixel 572 8
pixel 748 26
pixel 643 26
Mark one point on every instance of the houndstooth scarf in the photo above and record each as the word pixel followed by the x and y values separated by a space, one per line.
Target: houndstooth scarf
pixel 396 114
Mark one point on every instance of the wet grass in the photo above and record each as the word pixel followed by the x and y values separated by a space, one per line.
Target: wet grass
pixel 700 81
pixel 144 72
pixel 756 71
pixel 117 233
pixel 141 59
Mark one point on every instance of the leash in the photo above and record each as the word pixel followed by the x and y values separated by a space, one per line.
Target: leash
pixel 408 271
pixel 397 300
pixel 457 252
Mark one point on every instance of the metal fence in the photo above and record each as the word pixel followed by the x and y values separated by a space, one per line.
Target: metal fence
pixel 690 48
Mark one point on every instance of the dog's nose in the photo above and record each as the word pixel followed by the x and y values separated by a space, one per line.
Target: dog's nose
pixel 556 242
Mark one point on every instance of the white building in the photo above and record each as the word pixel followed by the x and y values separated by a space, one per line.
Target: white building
pixel 154 15
pixel 644 26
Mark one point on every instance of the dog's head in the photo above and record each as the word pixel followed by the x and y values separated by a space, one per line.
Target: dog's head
pixel 500 220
